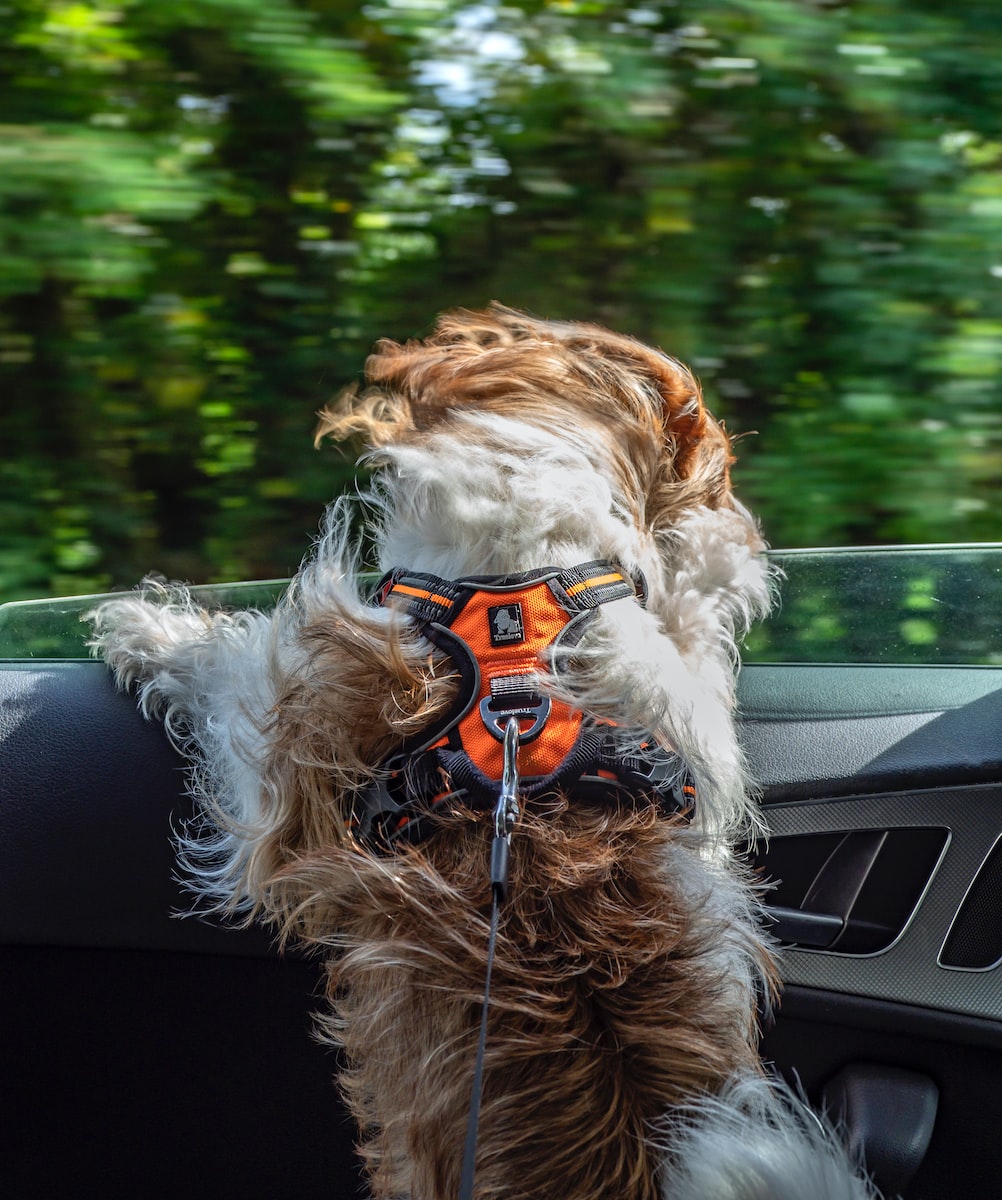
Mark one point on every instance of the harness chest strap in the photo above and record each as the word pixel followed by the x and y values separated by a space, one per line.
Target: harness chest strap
pixel 499 632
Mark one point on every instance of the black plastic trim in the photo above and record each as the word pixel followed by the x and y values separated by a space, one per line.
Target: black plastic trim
pixel 885 1016
pixel 835 731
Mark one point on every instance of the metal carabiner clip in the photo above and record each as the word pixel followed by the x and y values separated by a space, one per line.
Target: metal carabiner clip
pixel 506 811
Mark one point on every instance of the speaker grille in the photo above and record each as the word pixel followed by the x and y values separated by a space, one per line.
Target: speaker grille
pixel 974 942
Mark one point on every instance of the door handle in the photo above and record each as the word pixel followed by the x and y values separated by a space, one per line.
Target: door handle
pixel 815 929
pixel 852 892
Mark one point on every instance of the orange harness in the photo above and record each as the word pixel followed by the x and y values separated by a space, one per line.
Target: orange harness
pixel 499 631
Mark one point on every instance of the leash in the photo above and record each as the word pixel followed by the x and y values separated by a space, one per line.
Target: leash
pixel 505 816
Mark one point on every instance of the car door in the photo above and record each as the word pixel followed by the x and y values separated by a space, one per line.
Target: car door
pixel 170 1057
pixel 142 1054
pixel 872 717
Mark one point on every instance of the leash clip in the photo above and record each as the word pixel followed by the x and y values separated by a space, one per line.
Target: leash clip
pixel 505 812
pixel 513 696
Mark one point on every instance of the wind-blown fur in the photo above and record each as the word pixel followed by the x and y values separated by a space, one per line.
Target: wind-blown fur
pixel 621 1053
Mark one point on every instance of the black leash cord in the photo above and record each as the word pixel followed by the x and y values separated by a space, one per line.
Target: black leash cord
pixel 473 1119
pixel 505 815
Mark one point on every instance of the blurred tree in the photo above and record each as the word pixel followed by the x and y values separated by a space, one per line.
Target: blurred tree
pixel 796 197
pixel 209 210
pixel 176 183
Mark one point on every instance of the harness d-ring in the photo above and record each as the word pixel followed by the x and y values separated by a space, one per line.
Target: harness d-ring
pixel 497 721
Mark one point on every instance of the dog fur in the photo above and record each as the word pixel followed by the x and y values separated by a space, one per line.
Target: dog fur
pixel 621 1057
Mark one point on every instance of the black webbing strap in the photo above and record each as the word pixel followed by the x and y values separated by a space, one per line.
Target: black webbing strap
pixel 593 583
pixel 430 598
pixel 426 597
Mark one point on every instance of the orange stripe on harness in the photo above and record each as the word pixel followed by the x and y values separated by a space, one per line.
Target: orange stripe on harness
pixel 420 594
pixel 598 581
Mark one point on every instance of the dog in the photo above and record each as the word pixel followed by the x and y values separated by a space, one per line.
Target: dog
pixel 566 578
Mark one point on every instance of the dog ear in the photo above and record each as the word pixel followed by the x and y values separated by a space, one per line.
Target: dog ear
pixel 702 455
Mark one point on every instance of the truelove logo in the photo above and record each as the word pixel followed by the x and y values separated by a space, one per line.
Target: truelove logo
pixel 506 624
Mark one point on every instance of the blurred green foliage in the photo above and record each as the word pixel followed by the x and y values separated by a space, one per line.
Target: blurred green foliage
pixel 925 606
pixel 209 210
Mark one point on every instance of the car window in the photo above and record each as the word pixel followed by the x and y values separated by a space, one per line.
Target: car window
pixel 906 605
pixel 922 606
pixel 55 629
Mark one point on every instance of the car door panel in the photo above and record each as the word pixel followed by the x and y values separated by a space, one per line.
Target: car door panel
pixel 848 751
pixel 91 792
pixel 140 1032
pixel 819 731
pixel 143 1054
pixel 875 748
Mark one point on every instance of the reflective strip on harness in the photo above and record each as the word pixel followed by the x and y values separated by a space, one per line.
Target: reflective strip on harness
pixel 403 590
pixel 614 577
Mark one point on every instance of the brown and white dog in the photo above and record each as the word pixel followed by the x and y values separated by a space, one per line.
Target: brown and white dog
pixel 630 968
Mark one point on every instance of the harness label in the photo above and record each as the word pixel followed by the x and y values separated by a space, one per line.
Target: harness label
pixel 506 625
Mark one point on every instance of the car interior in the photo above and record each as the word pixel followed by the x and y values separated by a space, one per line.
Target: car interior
pixel 149 1053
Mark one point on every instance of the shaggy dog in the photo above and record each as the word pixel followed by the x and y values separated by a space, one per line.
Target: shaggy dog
pixel 630 967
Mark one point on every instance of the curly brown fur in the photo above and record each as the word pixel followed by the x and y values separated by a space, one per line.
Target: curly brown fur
pixel 667 449
pixel 612 921
pixel 630 965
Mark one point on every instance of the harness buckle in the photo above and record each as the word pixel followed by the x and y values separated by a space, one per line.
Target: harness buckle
pixel 510 697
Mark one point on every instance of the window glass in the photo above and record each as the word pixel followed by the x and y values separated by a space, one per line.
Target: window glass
pixel 936 605
pixel 55 629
